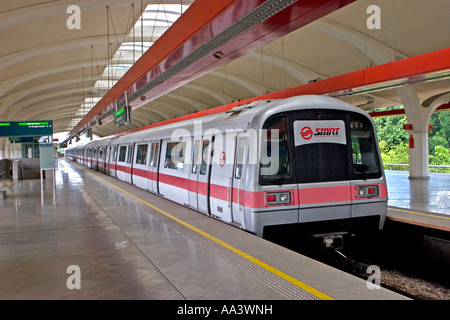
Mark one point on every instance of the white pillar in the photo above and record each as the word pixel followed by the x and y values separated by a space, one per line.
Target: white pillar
pixel 418 156
pixel 418 116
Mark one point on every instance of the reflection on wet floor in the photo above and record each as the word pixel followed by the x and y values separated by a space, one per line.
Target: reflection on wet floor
pixel 432 195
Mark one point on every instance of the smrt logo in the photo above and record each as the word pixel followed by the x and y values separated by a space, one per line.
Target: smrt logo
pixel 306 133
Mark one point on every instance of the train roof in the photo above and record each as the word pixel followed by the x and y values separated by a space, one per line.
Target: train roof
pixel 238 118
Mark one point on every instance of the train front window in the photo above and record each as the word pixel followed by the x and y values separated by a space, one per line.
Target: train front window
pixel 365 162
pixel 274 160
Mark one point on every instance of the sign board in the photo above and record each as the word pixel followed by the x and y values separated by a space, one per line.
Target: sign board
pixel 409 126
pixel 47 156
pixel 26 129
pixel 21 139
pixel 322 131
pixel 122 116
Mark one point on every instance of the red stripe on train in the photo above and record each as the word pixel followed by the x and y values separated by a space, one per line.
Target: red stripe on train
pixel 257 199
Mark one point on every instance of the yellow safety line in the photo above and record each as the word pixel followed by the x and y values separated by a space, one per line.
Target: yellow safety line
pixel 418 213
pixel 279 273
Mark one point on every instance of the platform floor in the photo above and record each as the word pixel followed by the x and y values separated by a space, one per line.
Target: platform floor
pixel 430 195
pixel 420 202
pixel 129 244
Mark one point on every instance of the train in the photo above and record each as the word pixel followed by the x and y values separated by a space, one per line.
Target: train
pixel 309 163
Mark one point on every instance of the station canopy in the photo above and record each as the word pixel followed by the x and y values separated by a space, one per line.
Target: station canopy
pixel 49 71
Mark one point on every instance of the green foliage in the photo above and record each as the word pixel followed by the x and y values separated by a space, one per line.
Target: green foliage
pixel 394 145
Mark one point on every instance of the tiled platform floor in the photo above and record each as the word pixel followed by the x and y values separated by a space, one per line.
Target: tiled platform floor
pixel 85 223
pixel 430 195
pixel 127 250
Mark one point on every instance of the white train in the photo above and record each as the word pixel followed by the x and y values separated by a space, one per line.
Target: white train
pixel 307 162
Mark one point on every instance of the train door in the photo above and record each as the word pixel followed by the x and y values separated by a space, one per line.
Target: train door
pixel 238 178
pixel 101 159
pixel 173 172
pixel 221 176
pixel 152 182
pixel 95 158
pixel 322 164
pixel 113 161
pixel 89 159
pixel 107 160
pixel 194 172
pixel 121 167
pixel 140 165
pixel 129 164
pixel 204 175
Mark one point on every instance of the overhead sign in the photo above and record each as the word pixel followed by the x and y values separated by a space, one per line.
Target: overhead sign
pixel 323 131
pixel 26 129
pixel 21 139
pixel 122 116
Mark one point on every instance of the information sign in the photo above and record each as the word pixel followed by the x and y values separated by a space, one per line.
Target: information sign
pixel 26 129
pixel 47 156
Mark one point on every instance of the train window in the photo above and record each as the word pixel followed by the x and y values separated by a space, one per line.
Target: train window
pixel 205 151
pixel 155 154
pixel 274 162
pixel 130 153
pixel 175 155
pixel 152 155
pixel 100 153
pixel 196 156
pixel 141 154
pixel 95 153
pixel 240 152
pixel 122 153
pixel 114 155
pixel 364 153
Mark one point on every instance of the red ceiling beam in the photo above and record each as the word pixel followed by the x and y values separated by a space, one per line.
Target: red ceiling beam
pixel 198 15
pixel 398 112
pixel 410 70
pixel 203 21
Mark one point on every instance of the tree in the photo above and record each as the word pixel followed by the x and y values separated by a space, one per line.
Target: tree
pixel 393 140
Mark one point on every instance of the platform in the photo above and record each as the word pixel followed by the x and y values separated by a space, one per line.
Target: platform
pixel 424 202
pixel 129 244
pixel 430 195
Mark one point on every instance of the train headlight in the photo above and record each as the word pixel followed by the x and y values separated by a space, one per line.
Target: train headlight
pixel 278 198
pixel 367 191
pixel 284 197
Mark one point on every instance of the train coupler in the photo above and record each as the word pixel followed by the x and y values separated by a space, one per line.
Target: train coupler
pixel 333 240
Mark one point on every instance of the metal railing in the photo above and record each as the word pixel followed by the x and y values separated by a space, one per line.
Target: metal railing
pixel 445 169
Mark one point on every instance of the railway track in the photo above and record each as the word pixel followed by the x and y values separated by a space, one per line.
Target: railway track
pixel 400 269
pixel 410 283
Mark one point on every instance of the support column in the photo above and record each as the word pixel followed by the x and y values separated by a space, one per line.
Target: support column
pixel 418 156
pixel 419 117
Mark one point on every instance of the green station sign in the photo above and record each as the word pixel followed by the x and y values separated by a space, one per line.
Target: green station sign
pixel 26 129
pixel 122 116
